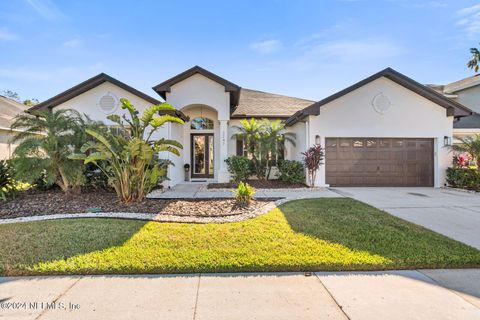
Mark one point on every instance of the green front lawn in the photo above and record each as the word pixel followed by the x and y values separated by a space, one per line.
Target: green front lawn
pixel 316 234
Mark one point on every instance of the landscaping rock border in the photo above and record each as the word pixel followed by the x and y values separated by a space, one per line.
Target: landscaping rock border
pixel 158 217
pixel 150 216
pixel 461 190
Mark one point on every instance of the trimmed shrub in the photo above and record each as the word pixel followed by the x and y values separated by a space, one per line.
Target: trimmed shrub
pixel 466 178
pixel 7 184
pixel 291 171
pixel 244 194
pixel 239 167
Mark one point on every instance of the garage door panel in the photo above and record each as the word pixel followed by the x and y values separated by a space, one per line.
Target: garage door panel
pixel 398 155
pixel 383 155
pixel 379 162
pixel 411 155
pixel 369 168
pixel 370 155
pixel 357 168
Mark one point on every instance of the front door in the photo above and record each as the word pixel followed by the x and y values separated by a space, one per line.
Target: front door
pixel 202 155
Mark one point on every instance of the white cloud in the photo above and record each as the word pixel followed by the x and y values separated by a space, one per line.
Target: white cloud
pixel 266 47
pixel 469 10
pixel 47 9
pixel 355 50
pixel 72 43
pixel 6 35
pixel 469 21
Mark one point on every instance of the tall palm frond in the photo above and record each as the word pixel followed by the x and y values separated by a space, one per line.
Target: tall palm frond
pixel 46 140
pixel 474 61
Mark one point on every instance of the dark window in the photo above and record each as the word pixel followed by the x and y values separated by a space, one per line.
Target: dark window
pixel 371 143
pixel 358 143
pixel 240 151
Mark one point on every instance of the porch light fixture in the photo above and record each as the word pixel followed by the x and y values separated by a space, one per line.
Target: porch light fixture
pixel 447 141
pixel 317 139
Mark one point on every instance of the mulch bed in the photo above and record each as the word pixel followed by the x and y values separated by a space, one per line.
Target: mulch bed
pixel 31 203
pixel 260 184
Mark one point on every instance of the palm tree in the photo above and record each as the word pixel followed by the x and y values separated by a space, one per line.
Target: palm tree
pixel 470 145
pixel 262 140
pixel 250 132
pixel 46 140
pixel 273 135
pixel 474 61
pixel 130 160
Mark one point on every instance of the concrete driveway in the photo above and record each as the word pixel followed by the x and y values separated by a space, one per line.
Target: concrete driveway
pixel 455 214
pixel 423 294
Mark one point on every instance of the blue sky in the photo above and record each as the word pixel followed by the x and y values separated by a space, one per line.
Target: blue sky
pixel 307 49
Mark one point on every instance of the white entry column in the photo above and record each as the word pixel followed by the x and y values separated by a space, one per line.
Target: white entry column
pixel 223 175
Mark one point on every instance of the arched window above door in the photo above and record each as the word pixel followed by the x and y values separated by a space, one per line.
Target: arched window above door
pixel 201 123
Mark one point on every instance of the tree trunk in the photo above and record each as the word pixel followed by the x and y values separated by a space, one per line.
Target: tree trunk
pixel 269 169
pixel 62 181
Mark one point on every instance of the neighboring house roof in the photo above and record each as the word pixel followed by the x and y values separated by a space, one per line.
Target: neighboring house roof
pixel 440 88
pixel 453 108
pixel 462 84
pixel 254 103
pixel 231 87
pixel 8 110
pixel 87 85
pixel 470 122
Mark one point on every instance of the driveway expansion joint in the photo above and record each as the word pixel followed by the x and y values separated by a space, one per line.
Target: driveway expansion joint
pixel 44 311
pixel 331 295
pixel 196 297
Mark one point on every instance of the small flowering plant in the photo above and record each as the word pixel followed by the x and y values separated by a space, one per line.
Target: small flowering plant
pixel 462 160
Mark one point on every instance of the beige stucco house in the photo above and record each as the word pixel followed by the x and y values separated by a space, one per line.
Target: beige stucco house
pixel 8 110
pixel 386 130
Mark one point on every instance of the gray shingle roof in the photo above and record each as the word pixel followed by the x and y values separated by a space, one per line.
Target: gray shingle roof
pixel 253 103
pixel 8 110
pixel 469 122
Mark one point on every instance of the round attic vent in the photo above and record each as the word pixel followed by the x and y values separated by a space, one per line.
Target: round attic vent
pixel 108 103
pixel 381 103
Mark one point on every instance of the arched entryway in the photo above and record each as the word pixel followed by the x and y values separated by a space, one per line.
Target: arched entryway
pixel 201 134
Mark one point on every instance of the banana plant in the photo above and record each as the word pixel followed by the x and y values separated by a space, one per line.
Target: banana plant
pixel 130 160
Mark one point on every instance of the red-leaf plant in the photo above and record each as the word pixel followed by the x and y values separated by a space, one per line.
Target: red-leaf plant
pixel 313 158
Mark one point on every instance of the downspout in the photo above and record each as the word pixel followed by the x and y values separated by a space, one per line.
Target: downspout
pixel 307 132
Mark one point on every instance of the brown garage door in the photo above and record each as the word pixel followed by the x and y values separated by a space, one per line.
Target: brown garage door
pixel 379 162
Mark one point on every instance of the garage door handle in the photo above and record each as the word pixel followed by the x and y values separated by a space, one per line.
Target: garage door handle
pixel 378 168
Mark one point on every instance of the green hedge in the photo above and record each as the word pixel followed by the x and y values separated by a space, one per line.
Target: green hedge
pixel 239 167
pixel 465 178
pixel 291 171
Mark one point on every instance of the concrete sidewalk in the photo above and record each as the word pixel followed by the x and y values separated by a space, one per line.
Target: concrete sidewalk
pixel 424 294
